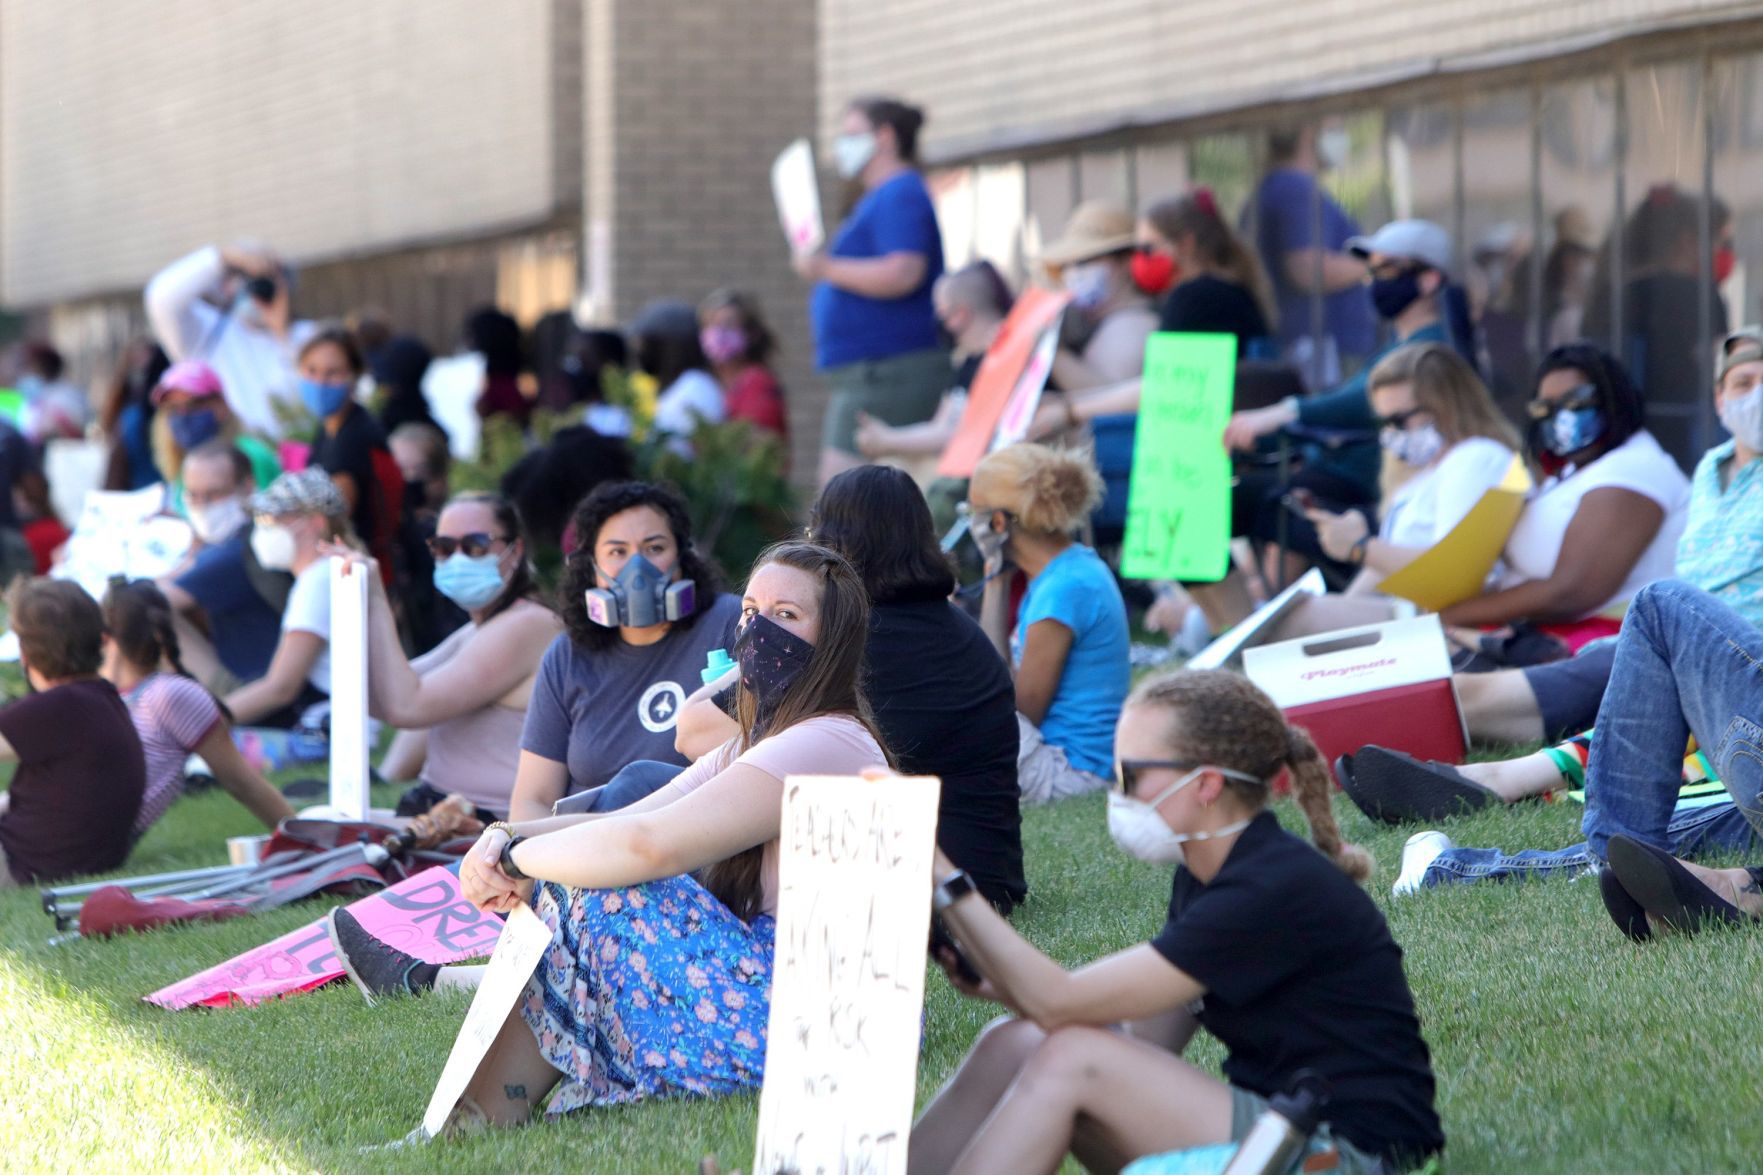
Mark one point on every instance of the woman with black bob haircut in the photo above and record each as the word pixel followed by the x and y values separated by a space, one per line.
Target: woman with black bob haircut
pixel 641 611
pixel 1603 523
pixel 940 692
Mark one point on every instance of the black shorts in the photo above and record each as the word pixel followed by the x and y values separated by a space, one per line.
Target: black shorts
pixel 1569 691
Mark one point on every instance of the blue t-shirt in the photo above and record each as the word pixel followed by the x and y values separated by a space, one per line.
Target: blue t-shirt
pixel 599 711
pixel 244 627
pixel 1286 221
pixel 897 217
pixel 1079 591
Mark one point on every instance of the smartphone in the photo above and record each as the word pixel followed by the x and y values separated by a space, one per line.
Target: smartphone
pixel 941 940
pixel 261 288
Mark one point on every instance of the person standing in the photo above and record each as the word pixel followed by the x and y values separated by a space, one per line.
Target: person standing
pixel 875 329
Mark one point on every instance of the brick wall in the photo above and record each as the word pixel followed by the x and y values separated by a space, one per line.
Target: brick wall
pixel 1003 74
pixel 132 130
pixel 687 106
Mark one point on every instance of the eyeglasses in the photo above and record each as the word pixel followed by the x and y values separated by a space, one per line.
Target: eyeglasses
pixel 474 544
pixel 1126 771
pixel 1400 419
pixel 1584 396
pixel 967 511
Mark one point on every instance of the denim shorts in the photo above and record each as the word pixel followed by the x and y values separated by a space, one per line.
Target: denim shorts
pixel 1568 691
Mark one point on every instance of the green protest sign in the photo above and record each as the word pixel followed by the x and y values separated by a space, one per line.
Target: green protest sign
pixel 12 406
pixel 1178 502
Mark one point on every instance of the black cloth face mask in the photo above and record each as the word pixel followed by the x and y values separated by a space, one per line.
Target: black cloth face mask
pixel 772 658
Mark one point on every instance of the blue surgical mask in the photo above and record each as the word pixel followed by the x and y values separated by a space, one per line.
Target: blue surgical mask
pixel 190 429
pixel 470 583
pixel 324 400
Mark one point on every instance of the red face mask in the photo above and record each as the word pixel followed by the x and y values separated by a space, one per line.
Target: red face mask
pixel 1725 261
pixel 1153 272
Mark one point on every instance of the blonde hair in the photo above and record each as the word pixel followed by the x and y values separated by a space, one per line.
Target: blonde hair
pixel 1051 491
pixel 1221 719
pixel 1448 388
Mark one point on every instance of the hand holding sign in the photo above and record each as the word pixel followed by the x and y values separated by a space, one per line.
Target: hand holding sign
pixel 797 194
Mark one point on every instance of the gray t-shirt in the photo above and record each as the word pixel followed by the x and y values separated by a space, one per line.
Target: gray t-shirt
pixel 599 711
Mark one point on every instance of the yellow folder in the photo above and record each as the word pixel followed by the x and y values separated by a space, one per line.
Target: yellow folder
pixel 1457 566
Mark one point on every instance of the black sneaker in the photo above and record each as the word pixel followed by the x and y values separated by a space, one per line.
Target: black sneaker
pixel 1397 788
pixel 375 967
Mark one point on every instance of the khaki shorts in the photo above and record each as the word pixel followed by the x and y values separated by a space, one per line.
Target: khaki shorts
pixel 901 389
pixel 1043 773
pixel 1246 1108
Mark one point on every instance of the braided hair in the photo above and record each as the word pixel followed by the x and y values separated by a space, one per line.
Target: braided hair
pixel 138 619
pixel 1223 720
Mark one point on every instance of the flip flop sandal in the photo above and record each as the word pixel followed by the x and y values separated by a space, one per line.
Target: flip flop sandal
pixel 1668 891
pixel 1397 788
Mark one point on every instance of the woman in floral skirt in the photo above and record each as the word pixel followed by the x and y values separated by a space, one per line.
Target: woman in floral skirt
pixel 658 984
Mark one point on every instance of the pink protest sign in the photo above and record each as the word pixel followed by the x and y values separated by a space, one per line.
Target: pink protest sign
pixel 425 916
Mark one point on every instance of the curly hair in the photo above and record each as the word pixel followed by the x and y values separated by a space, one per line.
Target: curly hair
pixel 1050 491
pixel 1222 719
pixel 615 497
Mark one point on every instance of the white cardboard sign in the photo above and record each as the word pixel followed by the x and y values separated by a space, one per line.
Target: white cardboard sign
pixel 518 951
pixel 1350 661
pixel 797 193
pixel 348 653
pixel 847 984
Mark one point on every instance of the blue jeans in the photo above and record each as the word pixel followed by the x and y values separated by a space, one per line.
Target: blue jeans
pixel 634 781
pixel 1685 663
pixel 1692 832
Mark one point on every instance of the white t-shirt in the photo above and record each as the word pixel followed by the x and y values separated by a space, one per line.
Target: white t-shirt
pixel 1638 465
pixel 309 610
pixel 1430 503
pixel 694 394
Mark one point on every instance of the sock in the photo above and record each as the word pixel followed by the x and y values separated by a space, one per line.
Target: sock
pixel 1566 758
pixel 421 977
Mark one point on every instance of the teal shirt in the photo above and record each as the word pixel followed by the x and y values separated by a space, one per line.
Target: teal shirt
pixel 1347 405
pixel 1721 550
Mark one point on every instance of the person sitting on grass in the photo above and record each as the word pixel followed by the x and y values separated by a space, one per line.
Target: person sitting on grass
pixel 610 688
pixel 1721 551
pixel 1068 645
pixel 1686 664
pixel 295 517
pixel 658 983
pixel 81 773
pixel 1269 945
pixel 173 715
pixel 941 694
pixel 459 709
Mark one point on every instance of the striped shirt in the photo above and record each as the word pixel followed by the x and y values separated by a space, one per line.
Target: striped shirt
pixel 172 716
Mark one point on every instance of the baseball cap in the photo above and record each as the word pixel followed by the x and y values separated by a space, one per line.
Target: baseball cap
pixel 190 376
pixel 310 491
pixel 1417 240
pixel 1744 345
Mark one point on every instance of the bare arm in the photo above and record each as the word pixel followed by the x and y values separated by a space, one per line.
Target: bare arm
pixel 703 726
pixel 1072 374
pixel 1045 647
pixel 245 785
pixel 198 654
pixel 1609 532
pixel 294 658
pixel 405 758
pixel 894 275
pixel 1135 984
pixel 1340 271
pixel 538 784
pixel 994 611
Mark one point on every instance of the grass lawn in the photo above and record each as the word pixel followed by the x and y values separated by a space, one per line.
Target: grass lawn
pixel 1559 1045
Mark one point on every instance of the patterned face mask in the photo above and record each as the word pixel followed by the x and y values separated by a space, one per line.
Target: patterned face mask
pixel 772 658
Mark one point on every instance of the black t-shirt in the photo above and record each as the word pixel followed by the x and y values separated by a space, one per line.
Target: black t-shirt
pixel 351 450
pixel 966 370
pixel 1217 306
pixel 943 699
pixel 1301 973
pixel 81 773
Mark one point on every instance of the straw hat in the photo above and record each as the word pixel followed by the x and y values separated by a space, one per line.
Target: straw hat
pixel 1096 229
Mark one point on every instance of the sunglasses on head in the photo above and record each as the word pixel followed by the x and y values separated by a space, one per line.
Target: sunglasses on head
pixel 474 544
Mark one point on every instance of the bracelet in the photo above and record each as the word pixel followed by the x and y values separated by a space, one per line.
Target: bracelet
pixel 507 860
pixel 1357 554
pixel 503 826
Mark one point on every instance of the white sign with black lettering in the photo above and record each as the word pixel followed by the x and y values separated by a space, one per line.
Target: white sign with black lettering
pixel 847 986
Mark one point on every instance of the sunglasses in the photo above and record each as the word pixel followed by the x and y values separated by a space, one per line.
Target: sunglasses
pixel 1400 419
pixel 1126 771
pixel 474 544
pixel 1584 396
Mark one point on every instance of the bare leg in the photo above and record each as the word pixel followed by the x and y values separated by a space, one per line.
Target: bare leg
pixel 1499 707
pixel 834 462
pixel 954 1115
pixel 1115 1097
pixel 1225 603
pixel 1735 885
pixel 514 1078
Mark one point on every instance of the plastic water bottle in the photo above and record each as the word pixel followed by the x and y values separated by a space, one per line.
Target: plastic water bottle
pixel 1280 1134
pixel 718 664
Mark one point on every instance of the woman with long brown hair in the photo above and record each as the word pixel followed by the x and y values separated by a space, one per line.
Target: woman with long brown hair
pixel 659 983
pixel 1270 945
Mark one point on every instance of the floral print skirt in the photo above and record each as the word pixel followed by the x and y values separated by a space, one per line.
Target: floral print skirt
pixel 657 990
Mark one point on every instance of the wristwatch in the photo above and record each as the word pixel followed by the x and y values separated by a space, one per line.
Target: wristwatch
pixel 954 887
pixel 507 860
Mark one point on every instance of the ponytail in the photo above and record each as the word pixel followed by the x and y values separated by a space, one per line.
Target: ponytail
pixel 138 618
pixel 1224 249
pixel 1313 788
